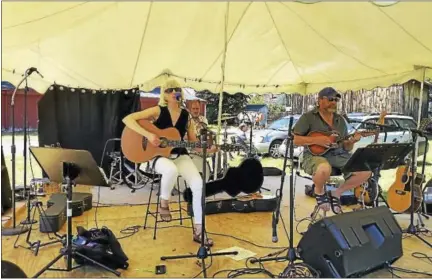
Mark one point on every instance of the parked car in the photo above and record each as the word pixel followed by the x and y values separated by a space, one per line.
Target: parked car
pixel 393 135
pixel 267 141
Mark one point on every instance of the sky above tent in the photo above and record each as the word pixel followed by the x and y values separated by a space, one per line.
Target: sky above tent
pixel 270 46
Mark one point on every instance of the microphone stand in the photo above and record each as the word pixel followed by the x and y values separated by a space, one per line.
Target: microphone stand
pixel 293 269
pixel 16 230
pixel 202 253
pixel 412 229
pixel 27 221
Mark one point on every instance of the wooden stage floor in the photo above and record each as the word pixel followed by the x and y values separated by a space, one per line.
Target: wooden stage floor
pixel 144 253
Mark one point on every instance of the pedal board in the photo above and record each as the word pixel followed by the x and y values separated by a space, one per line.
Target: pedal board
pixel 55 214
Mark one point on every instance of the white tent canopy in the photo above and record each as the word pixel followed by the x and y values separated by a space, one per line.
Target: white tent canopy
pixel 271 46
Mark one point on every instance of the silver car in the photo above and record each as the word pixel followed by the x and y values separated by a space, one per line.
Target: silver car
pixel 267 141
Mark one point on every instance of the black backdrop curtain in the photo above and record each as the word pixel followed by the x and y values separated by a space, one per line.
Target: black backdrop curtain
pixel 77 118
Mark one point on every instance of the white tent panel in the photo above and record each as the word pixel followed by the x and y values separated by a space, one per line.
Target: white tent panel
pixel 272 46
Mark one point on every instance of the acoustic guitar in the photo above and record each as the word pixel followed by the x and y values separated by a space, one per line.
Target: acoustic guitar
pixel 335 139
pixel 137 148
pixel 399 193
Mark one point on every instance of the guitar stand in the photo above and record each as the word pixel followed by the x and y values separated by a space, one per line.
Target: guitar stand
pixel 202 253
pixel 34 246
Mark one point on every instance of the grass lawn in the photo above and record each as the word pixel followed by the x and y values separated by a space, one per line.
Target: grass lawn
pixel 33 169
pixel 386 180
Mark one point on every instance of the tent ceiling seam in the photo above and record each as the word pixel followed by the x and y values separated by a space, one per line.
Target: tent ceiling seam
pixel 403 29
pixel 62 68
pixel 276 72
pixel 44 17
pixel 142 42
pixel 283 43
pixel 325 39
pixel 232 35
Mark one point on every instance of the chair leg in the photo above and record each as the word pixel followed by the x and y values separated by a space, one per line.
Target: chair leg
pixel 148 205
pixel 191 216
pixel 157 213
pixel 179 201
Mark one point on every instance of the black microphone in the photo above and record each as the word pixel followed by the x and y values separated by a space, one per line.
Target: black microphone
pixel 274 225
pixel 33 69
pixel 178 96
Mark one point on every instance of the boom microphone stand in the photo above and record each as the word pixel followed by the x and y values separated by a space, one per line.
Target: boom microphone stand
pixel 293 269
pixel 202 253
pixel 20 229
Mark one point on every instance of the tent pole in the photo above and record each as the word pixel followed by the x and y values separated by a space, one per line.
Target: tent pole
pixel 221 91
pixel 421 97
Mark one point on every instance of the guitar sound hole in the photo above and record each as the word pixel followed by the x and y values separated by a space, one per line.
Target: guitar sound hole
pixel 144 143
pixel 163 143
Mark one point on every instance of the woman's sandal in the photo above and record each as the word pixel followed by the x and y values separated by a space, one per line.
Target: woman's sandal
pixel 197 238
pixel 166 217
pixel 335 202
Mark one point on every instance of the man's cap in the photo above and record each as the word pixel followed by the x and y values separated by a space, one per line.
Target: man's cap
pixel 329 92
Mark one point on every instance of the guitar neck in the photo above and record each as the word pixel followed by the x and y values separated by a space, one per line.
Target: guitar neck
pixel 184 144
pixel 198 144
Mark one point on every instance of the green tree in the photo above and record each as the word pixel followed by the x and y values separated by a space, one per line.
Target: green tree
pixel 257 100
pixel 231 104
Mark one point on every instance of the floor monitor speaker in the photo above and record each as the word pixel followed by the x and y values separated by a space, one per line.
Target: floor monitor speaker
pixel 352 244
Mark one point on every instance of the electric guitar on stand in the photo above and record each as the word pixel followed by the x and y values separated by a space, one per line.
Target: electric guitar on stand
pixel 137 149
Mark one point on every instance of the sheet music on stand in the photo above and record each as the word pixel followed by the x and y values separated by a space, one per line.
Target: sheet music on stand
pixel 383 155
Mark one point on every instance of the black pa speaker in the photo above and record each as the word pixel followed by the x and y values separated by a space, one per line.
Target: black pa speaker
pixel 6 190
pixel 352 244
pixel 11 270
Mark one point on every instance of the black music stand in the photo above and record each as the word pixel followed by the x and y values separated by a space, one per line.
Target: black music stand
pixel 383 155
pixel 69 166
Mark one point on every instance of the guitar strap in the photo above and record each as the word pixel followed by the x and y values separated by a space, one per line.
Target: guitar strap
pixel 330 127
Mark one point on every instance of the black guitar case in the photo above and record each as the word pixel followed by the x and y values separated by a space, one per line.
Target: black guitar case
pixel 248 178
pixel 55 215
pixel 237 205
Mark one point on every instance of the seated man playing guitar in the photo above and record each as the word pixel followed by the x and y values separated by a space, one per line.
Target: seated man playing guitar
pixel 324 119
pixel 169 113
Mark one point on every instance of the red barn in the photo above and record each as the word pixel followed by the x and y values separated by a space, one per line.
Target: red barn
pixel 33 98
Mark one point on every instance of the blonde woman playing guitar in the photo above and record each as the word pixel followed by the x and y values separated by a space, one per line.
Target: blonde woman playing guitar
pixel 325 119
pixel 169 114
